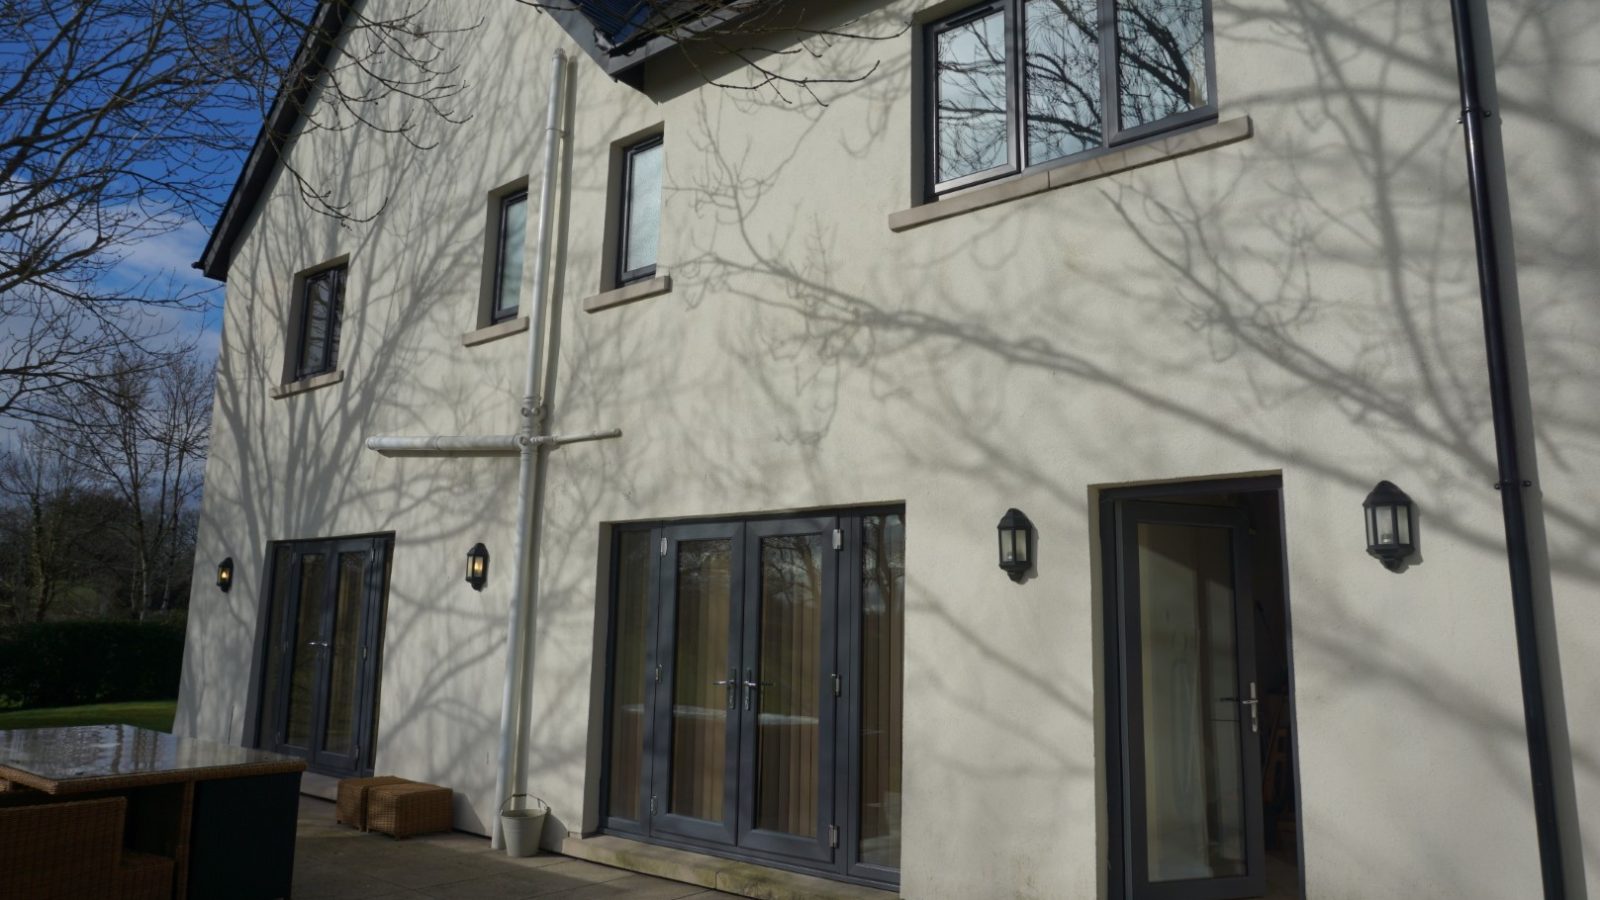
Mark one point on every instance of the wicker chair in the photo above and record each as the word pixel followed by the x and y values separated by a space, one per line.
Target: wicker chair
pixel 62 851
pixel 144 876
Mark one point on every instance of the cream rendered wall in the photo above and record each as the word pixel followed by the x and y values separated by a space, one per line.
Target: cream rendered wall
pixel 1303 302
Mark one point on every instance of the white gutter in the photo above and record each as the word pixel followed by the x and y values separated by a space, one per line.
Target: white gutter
pixel 519 621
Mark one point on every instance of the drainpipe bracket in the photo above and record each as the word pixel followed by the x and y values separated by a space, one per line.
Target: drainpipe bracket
pixel 1500 485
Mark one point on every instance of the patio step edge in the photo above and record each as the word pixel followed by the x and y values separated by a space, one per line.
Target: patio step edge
pixel 714 872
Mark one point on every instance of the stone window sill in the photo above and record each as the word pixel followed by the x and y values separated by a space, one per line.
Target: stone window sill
pixel 495 332
pixel 628 293
pixel 280 391
pixel 1122 159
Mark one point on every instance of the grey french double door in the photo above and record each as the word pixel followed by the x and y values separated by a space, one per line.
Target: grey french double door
pixel 743 718
pixel 1185 754
pixel 324 628
pixel 743 721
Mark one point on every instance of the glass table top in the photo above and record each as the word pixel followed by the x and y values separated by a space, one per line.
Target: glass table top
pixel 57 757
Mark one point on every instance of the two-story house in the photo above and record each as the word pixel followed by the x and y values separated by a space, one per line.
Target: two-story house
pixel 1005 398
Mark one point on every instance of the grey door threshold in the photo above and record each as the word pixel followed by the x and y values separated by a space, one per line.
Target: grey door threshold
pixel 714 872
pixel 315 784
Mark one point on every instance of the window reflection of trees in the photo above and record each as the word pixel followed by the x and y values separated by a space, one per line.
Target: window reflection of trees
pixel 1062 78
pixel 1160 69
pixel 1162 66
pixel 972 128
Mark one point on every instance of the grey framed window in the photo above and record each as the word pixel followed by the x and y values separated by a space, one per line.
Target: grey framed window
pixel 640 218
pixel 513 237
pixel 321 307
pixel 1018 85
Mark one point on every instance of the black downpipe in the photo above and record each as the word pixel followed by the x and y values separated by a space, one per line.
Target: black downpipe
pixel 1511 483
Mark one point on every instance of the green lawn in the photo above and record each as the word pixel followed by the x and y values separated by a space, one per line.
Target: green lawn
pixel 156 714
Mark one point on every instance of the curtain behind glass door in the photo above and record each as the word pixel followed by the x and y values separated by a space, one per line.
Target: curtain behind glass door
pixel 343 718
pixel 628 678
pixel 305 650
pixel 1194 814
pixel 699 707
pixel 883 594
pixel 787 699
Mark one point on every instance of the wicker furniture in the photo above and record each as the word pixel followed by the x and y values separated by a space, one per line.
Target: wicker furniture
pixel 144 876
pixel 61 850
pixel 351 808
pixel 402 810
pixel 222 816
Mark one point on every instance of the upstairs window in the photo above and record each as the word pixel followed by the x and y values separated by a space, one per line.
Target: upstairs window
pixel 640 220
pixel 321 304
pixel 1016 85
pixel 513 237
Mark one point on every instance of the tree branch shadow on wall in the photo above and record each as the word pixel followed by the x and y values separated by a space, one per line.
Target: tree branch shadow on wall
pixel 1351 299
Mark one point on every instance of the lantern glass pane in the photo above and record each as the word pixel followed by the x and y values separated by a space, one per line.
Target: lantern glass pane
pixel 1385 523
pixel 1402 516
pixel 1019 537
pixel 1008 543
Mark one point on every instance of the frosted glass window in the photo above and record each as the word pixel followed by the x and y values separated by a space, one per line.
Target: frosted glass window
pixel 641 220
pixel 508 267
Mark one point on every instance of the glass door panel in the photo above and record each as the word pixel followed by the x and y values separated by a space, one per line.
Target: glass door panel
pixel 280 644
pixel 693 797
pixel 883 610
pixel 700 693
pixel 341 734
pixel 788 703
pixel 1194 769
pixel 629 681
pixel 305 668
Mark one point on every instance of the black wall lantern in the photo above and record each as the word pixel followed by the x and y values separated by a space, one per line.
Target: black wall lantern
pixel 478 566
pixel 1016 538
pixel 1390 525
pixel 225 574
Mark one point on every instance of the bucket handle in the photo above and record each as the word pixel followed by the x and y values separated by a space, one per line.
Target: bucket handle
pixel 515 796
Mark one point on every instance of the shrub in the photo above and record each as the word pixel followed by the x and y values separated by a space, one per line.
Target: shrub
pixel 73 663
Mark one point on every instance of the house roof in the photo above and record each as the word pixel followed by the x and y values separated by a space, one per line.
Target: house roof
pixel 619 35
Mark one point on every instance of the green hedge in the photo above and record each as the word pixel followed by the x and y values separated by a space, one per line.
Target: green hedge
pixel 72 663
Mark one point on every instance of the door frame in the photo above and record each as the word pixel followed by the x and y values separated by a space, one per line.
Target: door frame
pixel 817 848
pixel 268 702
pixel 1119 882
pixel 658 729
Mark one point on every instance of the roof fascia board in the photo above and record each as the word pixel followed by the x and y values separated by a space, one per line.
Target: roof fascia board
pixel 282 120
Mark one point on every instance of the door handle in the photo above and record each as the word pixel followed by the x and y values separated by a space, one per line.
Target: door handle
pixel 751 685
pixel 1253 703
pixel 316 643
pixel 732 683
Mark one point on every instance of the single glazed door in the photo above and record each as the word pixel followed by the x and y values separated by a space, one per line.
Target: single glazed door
pixel 326 618
pixel 1191 785
pixel 790 682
